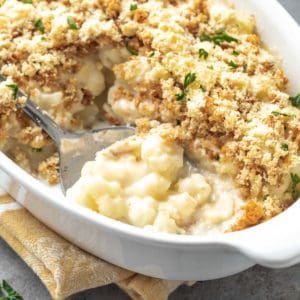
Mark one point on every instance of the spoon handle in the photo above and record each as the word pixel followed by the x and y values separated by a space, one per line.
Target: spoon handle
pixel 43 120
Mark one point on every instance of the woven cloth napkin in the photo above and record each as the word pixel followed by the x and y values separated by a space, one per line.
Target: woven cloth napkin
pixel 64 268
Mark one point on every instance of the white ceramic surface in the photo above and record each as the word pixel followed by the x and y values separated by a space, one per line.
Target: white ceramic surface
pixel 274 244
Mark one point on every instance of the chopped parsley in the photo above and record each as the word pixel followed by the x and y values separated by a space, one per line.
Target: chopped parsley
pixel 205 38
pixel 189 79
pixel 131 50
pixel 277 114
pixel 235 53
pixel 210 67
pixel 38 24
pixel 8 293
pixel 295 100
pixel 36 150
pixel 133 7
pixel 202 88
pixel 285 147
pixel 218 158
pixel 26 1
pixel 203 53
pixel 181 96
pixel 266 197
pixel 295 182
pixel 151 54
pixel 14 88
pixel 218 39
pixel 232 65
pixel 72 23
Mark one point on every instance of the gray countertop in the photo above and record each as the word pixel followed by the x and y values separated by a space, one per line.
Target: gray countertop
pixel 255 283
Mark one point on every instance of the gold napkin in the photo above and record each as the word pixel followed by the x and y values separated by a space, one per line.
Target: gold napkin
pixel 64 268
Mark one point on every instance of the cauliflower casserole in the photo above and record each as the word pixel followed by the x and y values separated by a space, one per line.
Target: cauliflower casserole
pixel 194 78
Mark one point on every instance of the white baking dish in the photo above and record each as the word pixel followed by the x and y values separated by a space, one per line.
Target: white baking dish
pixel 275 243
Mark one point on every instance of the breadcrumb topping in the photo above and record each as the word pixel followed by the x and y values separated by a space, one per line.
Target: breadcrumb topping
pixel 198 65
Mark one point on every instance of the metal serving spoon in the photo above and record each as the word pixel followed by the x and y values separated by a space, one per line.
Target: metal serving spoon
pixel 74 148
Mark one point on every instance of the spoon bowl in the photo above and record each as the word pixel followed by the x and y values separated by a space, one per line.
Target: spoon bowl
pixel 76 149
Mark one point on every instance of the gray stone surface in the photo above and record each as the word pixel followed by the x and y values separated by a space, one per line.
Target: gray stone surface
pixel 254 284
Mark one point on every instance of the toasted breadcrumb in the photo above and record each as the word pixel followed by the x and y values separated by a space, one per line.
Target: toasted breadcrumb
pixel 253 214
pixel 48 169
pixel 234 117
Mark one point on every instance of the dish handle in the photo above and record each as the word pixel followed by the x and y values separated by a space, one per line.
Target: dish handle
pixel 274 244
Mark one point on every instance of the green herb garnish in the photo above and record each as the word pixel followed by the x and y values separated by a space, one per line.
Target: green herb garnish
pixel 133 7
pixel 205 38
pixel 284 147
pixel 72 23
pixel 14 89
pixel 181 96
pixel 26 1
pixel 151 54
pixel 295 182
pixel 235 53
pixel 295 100
pixel 277 114
pixel 36 150
pixel 189 79
pixel 203 53
pixel 202 88
pixel 232 65
pixel 38 24
pixel 210 67
pixel 219 38
pixel 131 50
pixel 8 293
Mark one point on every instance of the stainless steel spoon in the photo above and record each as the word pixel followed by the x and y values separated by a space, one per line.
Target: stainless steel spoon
pixel 74 148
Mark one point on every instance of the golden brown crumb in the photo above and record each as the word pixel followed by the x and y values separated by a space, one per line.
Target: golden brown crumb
pixel 253 214
pixel 140 15
pixel 235 111
pixel 49 169
pixel 111 7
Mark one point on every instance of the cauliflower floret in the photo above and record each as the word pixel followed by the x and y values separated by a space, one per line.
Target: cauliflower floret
pixel 152 184
pixel 93 71
pixel 164 223
pixel 112 56
pixel 48 100
pixel 196 186
pixel 181 208
pixel 141 211
pixel 119 170
pixel 112 207
pixel 161 156
pixel 88 190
